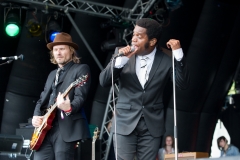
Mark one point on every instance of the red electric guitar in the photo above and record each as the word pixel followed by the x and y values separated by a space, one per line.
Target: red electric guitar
pixel 40 132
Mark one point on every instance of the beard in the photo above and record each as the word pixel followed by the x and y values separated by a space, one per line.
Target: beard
pixel 63 61
pixel 146 46
pixel 144 49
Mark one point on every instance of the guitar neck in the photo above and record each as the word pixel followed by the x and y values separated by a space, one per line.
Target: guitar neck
pixel 95 136
pixel 53 107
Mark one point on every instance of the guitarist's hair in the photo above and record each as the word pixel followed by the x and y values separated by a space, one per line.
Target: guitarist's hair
pixel 75 58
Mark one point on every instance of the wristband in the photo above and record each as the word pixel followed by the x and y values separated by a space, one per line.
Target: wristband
pixel 70 110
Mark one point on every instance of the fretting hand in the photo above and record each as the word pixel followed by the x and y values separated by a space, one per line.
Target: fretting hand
pixel 63 104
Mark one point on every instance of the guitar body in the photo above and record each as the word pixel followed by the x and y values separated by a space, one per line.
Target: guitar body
pixel 40 133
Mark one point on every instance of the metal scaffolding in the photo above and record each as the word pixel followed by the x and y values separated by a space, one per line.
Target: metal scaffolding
pixel 93 8
pixel 96 9
pixel 105 11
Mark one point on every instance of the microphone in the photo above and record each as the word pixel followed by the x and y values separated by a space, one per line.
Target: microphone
pixel 122 54
pixel 12 57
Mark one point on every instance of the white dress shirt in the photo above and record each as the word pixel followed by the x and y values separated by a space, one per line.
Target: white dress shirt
pixel 121 61
pixel 149 61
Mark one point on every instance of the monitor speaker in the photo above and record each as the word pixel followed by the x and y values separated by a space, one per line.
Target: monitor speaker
pixel 11 143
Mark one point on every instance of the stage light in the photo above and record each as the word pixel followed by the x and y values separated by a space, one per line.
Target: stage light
pixel 34 27
pixel 52 36
pixel 12 21
pixel 173 4
pixel 161 15
pixel 12 25
pixel 53 28
pixel 232 90
pixel 12 30
pixel 161 10
pixel 114 42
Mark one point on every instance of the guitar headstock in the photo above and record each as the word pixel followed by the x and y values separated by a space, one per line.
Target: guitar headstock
pixel 95 134
pixel 80 81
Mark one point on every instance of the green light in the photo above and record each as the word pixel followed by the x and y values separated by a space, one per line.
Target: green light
pixel 232 90
pixel 12 30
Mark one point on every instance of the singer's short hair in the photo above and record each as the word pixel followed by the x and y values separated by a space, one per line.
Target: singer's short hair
pixel 154 29
pixel 74 56
pixel 219 139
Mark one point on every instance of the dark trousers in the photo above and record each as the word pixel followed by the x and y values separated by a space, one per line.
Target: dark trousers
pixel 139 143
pixel 54 148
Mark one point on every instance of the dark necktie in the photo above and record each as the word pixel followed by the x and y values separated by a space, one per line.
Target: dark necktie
pixel 57 76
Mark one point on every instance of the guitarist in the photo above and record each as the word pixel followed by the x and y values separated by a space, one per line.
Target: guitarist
pixel 70 124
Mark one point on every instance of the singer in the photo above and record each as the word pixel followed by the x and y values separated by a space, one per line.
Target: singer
pixel 143 74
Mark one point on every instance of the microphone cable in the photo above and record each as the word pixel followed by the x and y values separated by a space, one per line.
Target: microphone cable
pixel 113 95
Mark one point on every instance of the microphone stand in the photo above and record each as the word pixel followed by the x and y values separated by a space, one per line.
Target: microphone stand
pixel 8 62
pixel 175 113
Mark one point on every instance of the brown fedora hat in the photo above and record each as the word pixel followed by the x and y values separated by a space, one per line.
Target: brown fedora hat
pixel 62 39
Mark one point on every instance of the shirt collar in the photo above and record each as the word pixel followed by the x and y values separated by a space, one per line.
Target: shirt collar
pixel 66 66
pixel 150 55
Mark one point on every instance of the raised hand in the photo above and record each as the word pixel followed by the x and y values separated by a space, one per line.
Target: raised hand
pixel 173 44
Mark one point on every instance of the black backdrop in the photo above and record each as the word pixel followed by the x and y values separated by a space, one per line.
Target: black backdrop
pixel 208 31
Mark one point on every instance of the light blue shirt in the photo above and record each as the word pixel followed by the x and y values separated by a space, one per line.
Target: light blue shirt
pixel 231 151
pixel 161 153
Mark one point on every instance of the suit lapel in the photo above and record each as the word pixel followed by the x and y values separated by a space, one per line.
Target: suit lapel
pixel 60 81
pixel 52 77
pixel 50 80
pixel 155 65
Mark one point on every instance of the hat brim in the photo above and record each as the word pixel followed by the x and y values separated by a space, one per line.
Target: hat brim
pixel 50 45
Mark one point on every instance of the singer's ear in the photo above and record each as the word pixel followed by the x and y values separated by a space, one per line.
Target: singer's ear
pixel 153 42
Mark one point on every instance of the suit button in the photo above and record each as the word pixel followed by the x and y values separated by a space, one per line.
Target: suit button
pixel 142 106
pixel 144 91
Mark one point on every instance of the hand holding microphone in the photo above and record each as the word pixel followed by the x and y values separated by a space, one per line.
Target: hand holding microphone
pixel 126 51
